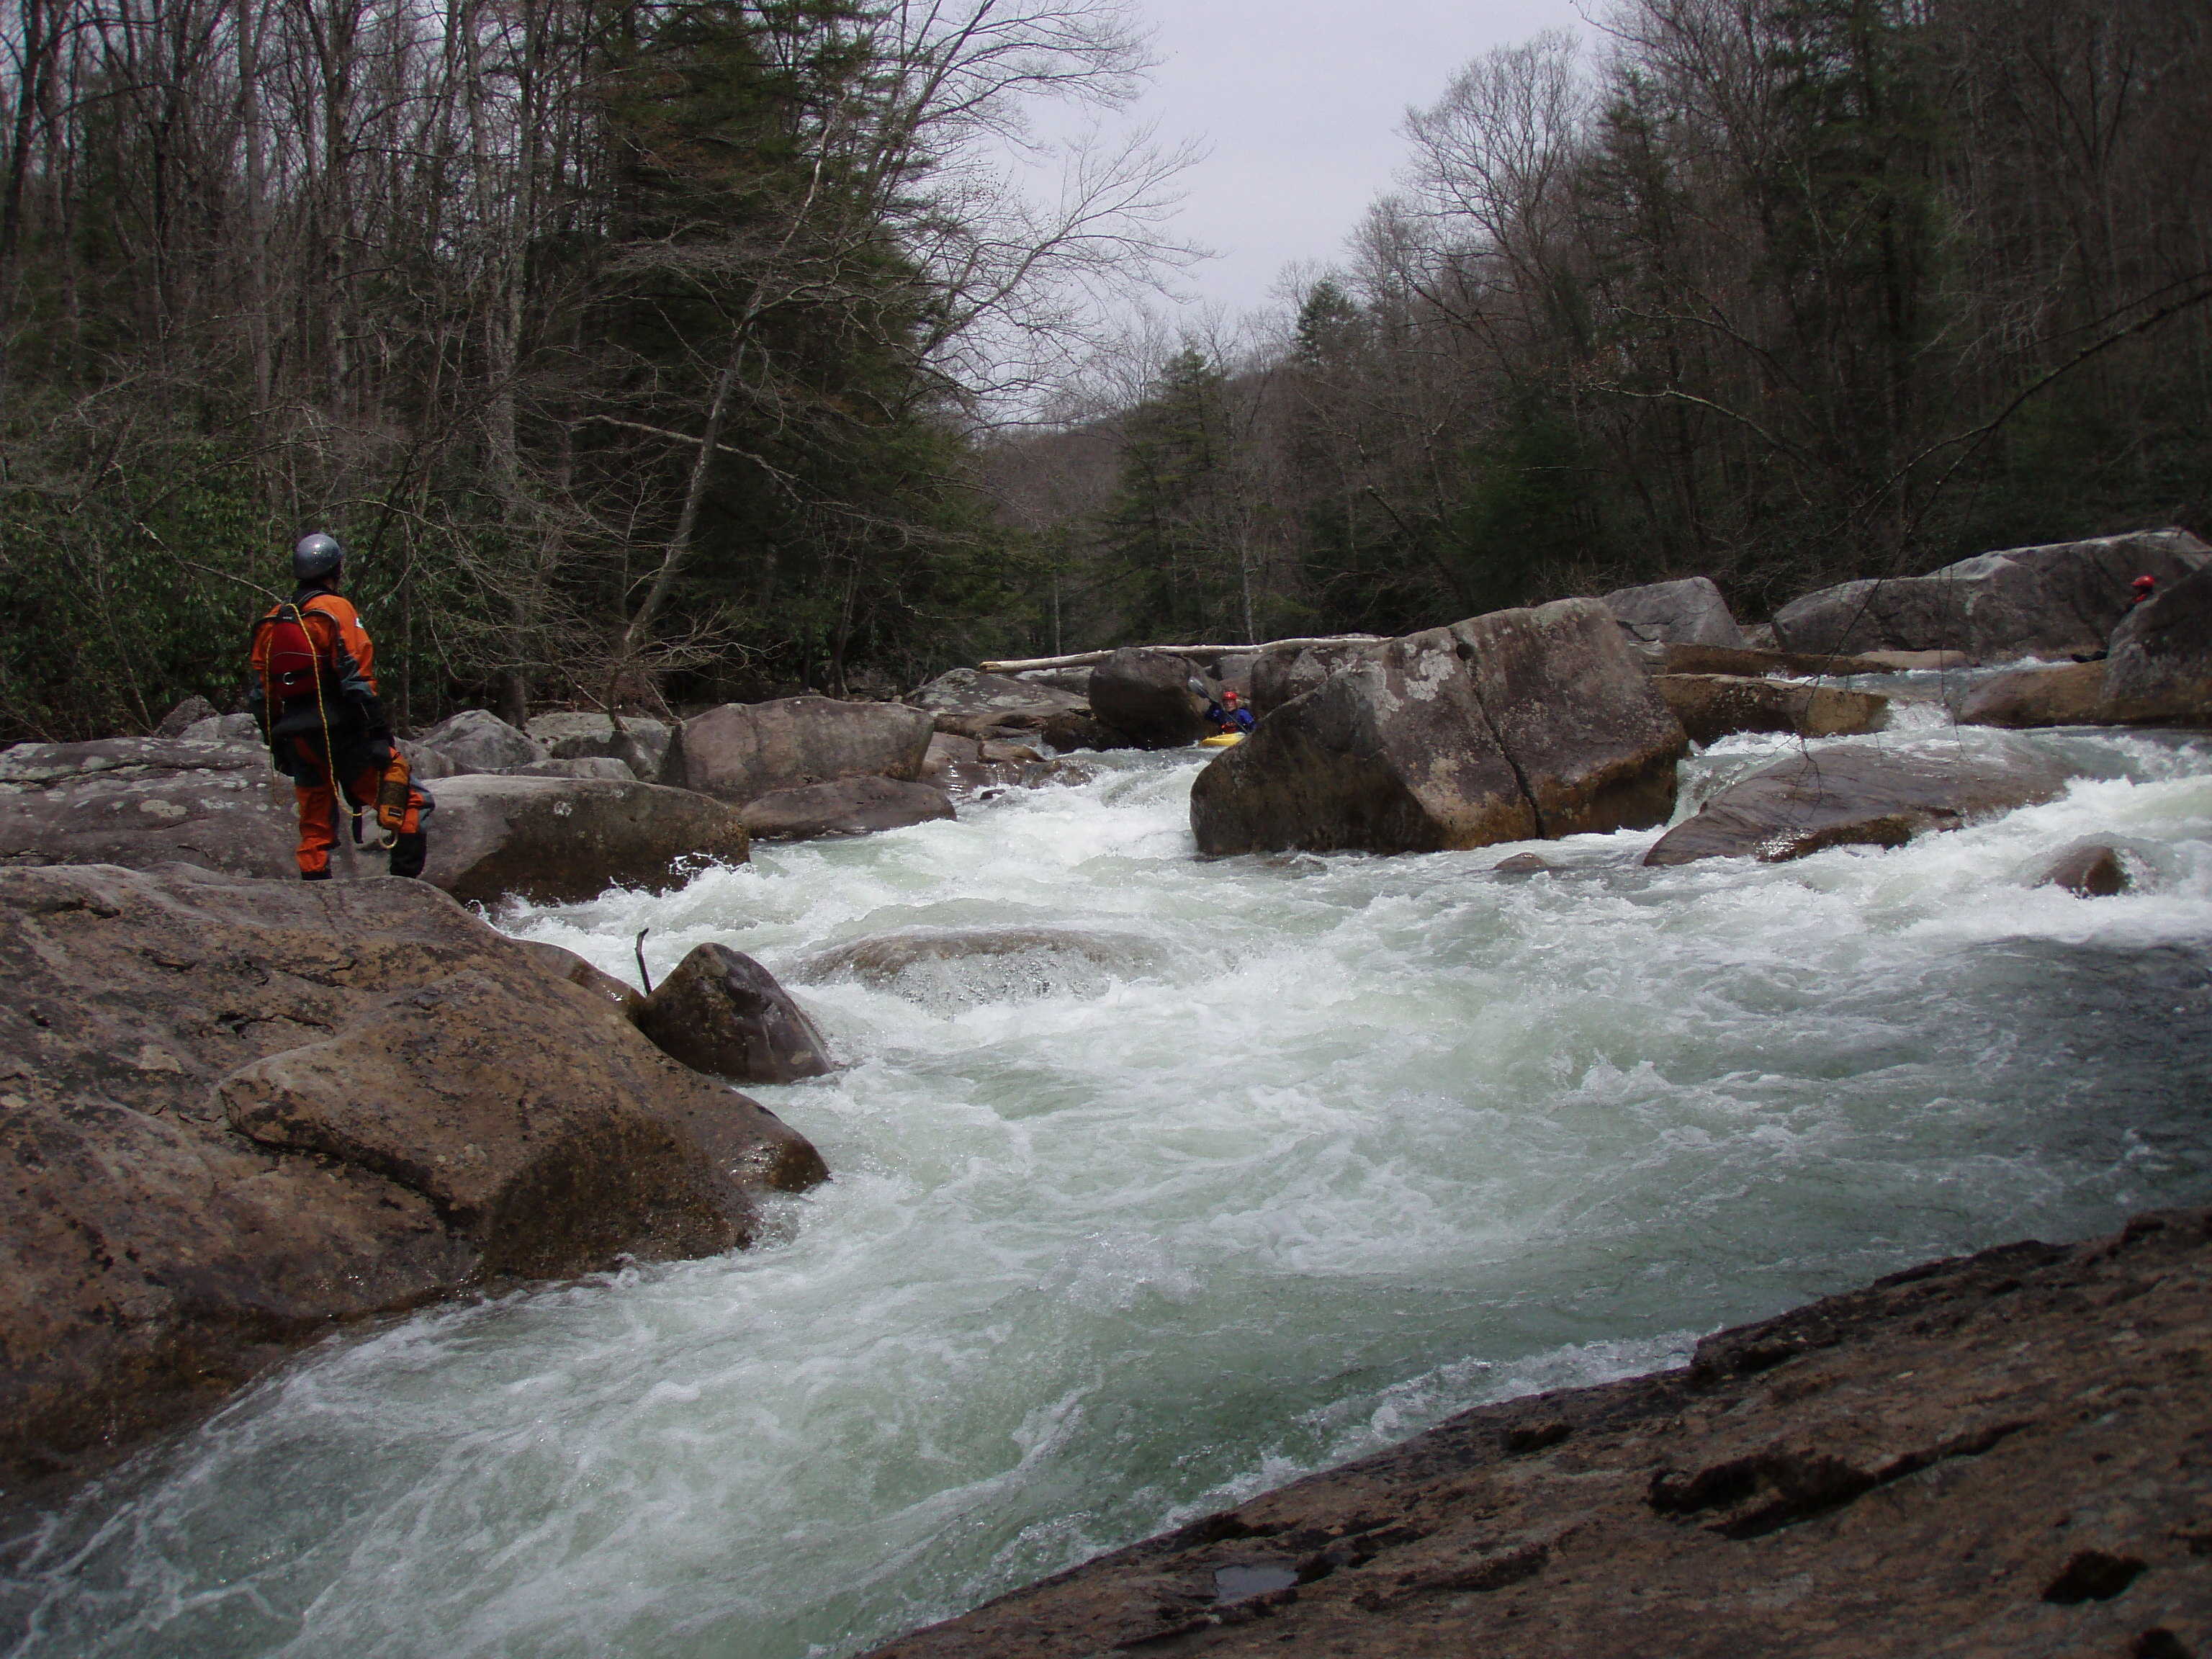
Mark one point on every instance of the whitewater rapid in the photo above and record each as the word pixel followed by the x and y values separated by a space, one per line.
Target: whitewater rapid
pixel 1298 1155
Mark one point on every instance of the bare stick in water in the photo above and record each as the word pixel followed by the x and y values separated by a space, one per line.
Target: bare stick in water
pixel 640 948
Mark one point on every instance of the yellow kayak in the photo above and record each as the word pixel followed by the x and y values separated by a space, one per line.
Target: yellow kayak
pixel 1221 740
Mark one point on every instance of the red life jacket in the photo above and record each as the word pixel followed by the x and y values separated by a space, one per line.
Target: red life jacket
pixel 296 664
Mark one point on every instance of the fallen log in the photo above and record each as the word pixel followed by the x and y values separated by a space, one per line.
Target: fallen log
pixel 1092 659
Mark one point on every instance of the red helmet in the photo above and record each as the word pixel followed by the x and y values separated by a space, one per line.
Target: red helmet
pixel 2144 583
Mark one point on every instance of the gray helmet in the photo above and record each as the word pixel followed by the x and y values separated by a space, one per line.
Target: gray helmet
pixel 317 556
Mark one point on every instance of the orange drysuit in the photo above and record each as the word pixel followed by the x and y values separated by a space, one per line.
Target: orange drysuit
pixel 331 738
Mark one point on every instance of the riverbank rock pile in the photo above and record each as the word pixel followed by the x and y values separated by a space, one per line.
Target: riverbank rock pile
pixel 2003 1454
pixel 237 1112
pixel 967 703
pixel 1516 725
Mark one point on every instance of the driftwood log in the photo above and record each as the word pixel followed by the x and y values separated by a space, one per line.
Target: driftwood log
pixel 1091 659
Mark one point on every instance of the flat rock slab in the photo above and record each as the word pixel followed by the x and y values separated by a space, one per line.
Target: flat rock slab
pixel 1755 661
pixel 2064 693
pixel 2001 1455
pixel 560 840
pixel 845 806
pixel 146 801
pixel 1859 795
pixel 1715 705
pixel 968 703
pixel 234 1112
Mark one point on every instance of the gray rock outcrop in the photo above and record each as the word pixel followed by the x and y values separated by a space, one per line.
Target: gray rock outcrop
pixel 1860 795
pixel 720 1011
pixel 477 740
pixel 558 839
pixel 142 801
pixel 1144 700
pixel 1509 727
pixel 238 1112
pixel 189 713
pixel 2058 600
pixel 845 806
pixel 1714 706
pixel 741 752
pixel 1997 1455
pixel 1690 611
pixel 966 703
pixel 569 734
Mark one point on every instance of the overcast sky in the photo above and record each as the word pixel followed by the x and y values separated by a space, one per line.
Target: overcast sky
pixel 1300 103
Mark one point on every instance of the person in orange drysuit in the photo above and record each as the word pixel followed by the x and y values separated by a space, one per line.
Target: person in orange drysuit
pixel 313 691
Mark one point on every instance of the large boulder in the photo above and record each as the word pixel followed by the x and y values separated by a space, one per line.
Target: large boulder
pixel 477 740
pixel 741 752
pixel 1281 672
pixel 142 801
pixel 1898 613
pixel 966 703
pixel 642 744
pixel 844 806
pixel 1504 727
pixel 721 1012
pixel 2158 666
pixel 1690 611
pixel 1144 700
pixel 1714 706
pixel 1861 795
pixel 1594 744
pixel 237 1112
pixel 556 839
pixel 188 714
pixel 2058 600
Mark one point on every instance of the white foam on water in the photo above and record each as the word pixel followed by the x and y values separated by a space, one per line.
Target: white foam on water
pixel 1357 1143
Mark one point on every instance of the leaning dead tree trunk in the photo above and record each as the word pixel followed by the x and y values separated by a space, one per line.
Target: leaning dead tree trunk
pixel 1090 658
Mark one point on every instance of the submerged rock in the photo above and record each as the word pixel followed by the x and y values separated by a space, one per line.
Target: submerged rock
pixel 845 806
pixel 721 1012
pixel 742 751
pixel 1997 1453
pixel 2087 869
pixel 1690 611
pixel 960 966
pixel 1857 795
pixel 1144 700
pixel 560 840
pixel 1509 727
pixel 1714 706
pixel 236 1112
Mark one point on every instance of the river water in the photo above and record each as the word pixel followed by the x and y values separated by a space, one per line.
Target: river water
pixel 1284 1160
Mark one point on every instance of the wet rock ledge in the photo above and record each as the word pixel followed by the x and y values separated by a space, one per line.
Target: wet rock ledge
pixel 2008 1454
pixel 235 1112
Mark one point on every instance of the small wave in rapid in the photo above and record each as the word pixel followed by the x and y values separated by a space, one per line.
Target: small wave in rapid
pixel 1185 1178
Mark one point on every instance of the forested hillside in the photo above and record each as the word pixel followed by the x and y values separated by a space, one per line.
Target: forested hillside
pixel 1777 291
pixel 632 345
